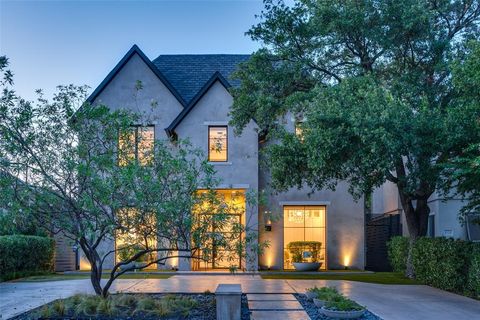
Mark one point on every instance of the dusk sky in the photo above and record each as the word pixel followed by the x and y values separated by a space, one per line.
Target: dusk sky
pixel 50 43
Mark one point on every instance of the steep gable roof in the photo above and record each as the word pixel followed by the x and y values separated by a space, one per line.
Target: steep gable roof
pixel 217 76
pixel 134 50
pixel 188 73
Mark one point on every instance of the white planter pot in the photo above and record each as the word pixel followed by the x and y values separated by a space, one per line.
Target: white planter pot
pixel 307 266
pixel 319 303
pixel 310 295
pixel 343 314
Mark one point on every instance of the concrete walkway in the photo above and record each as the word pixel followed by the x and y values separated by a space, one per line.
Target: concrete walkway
pixel 391 302
pixel 268 306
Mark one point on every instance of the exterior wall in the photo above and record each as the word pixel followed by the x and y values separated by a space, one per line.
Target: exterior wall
pixel 344 222
pixel 386 200
pixel 241 170
pixel 446 216
pixel 121 94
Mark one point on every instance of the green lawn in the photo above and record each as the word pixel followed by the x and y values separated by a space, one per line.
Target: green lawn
pixel 62 276
pixel 378 277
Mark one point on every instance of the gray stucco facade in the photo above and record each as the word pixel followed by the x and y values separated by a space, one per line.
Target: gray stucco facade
pixel 159 105
pixel 444 214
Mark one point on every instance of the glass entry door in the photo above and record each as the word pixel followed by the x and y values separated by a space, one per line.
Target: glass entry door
pixel 220 257
pixel 224 259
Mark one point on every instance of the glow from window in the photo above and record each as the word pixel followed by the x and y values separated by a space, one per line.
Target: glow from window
pixel 304 223
pixel 217 144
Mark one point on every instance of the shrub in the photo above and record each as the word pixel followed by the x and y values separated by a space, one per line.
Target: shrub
pixel 324 293
pixel 447 264
pixel 441 262
pixel 341 303
pixel 298 248
pixel 473 275
pixel 22 254
pixel 397 253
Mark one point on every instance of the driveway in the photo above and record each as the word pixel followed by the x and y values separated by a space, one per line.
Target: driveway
pixel 391 302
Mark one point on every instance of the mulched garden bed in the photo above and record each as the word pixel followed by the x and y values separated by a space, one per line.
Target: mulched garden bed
pixel 314 312
pixel 190 307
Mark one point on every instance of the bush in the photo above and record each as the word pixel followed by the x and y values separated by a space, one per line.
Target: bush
pixel 441 262
pixel 447 264
pixel 25 254
pixel 397 253
pixel 298 248
pixel 324 293
pixel 473 276
pixel 340 303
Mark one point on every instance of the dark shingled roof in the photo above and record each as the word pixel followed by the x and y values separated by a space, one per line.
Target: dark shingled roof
pixel 189 73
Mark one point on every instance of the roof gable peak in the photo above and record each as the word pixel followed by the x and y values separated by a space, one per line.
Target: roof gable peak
pixel 134 50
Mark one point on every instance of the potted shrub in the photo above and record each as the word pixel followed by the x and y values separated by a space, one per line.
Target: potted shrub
pixel 339 307
pixel 325 294
pixel 305 255
pixel 311 293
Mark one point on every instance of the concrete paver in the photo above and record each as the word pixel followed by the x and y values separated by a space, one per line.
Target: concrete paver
pixel 274 305
pixel 272 297
pixel 275 315
pixel 391 302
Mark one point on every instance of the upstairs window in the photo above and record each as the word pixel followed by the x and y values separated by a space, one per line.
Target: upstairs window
pixel 299 130
pixel 218 144
pixel 136 144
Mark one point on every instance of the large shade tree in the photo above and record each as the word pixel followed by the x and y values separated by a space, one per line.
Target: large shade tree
pixel 84 172
pixel 464 172
pixel 370 83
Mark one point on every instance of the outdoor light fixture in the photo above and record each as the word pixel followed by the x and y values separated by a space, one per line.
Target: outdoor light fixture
pixel 268 221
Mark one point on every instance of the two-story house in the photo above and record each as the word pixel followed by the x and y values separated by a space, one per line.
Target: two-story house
pixel 187 96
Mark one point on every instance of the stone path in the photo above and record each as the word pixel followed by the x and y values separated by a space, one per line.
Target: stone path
pixel 275 306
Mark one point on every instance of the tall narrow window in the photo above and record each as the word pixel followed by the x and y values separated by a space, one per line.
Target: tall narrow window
pixel 299 130
pixel 217 144
pixel 137 143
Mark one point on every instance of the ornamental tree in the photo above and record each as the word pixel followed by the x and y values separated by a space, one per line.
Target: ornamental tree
pixel 76 170
pixel 370 83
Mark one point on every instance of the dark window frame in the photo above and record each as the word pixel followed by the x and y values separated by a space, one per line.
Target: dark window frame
pixel 135 130
pixel 226 143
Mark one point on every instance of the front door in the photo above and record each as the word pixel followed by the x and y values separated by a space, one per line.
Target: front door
pixel 225 258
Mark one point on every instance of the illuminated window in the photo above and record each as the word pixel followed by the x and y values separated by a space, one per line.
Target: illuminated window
pixel 217 144
pixel 137 143
pixel 139 233
pixel 304 223
pixel 222 256
pixel 299 130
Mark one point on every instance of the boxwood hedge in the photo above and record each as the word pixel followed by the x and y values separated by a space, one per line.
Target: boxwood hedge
pixel 21 254
pixel 397 253
pixel 448 264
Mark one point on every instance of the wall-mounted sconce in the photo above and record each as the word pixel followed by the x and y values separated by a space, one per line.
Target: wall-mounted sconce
pixel 268 220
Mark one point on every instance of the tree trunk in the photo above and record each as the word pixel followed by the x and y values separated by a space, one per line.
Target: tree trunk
pixel 417 223
pixel 95 267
